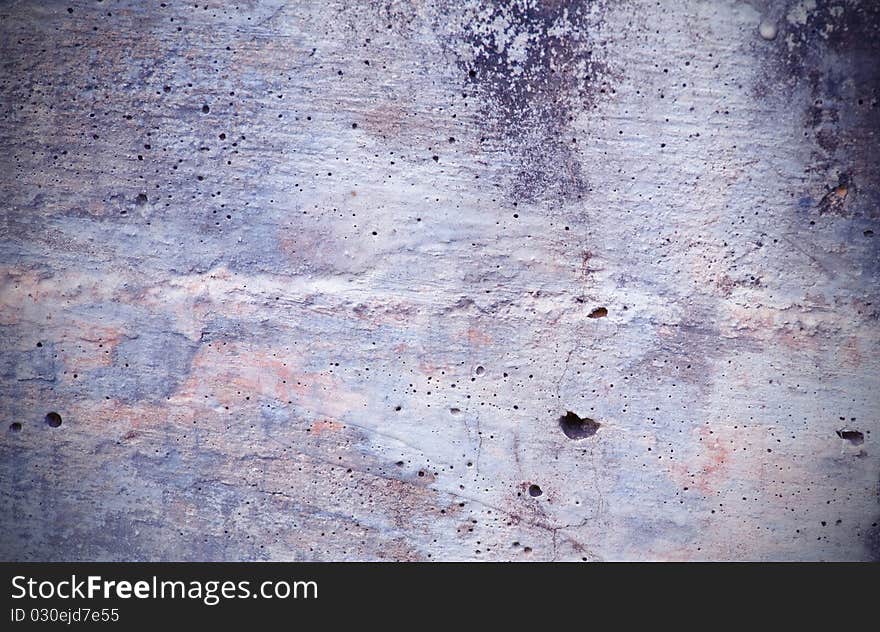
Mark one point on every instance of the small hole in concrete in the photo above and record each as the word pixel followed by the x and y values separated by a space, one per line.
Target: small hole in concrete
pixel 853 436
pixel 480 370
pixel 53 420
pixel 535 490
pixel 576 427
pixel 15 427
pixel 599 312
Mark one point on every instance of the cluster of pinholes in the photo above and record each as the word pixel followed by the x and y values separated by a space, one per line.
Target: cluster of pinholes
pixel 177 141
pixel 184 136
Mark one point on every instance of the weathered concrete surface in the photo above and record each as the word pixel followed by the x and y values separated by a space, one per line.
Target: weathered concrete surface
pixel 322 280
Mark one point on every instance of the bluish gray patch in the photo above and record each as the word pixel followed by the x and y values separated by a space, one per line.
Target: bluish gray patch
pixel 38 363
pixel 149 366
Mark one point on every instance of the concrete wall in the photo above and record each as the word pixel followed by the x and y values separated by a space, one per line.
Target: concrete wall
pixel 324 280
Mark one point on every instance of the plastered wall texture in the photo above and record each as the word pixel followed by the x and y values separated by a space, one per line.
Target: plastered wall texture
pixel 452 280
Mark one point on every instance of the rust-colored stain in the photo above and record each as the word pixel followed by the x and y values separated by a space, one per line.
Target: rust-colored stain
pixel 467 280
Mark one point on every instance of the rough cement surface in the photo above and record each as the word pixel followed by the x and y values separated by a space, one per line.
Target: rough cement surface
pixel 354 280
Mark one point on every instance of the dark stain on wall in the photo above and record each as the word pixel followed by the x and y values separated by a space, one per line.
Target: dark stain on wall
pixel 535 67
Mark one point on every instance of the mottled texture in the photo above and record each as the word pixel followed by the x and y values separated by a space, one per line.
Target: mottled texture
pixel 443 280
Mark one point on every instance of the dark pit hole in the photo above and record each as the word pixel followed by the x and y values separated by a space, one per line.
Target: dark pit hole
pixel 599 312
pixel 53 420
pixel 206 108
pixel 853 436
pixel 141 199
pixel 15 427
pixel 575 427
pixel 480 370
pixel 535 490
